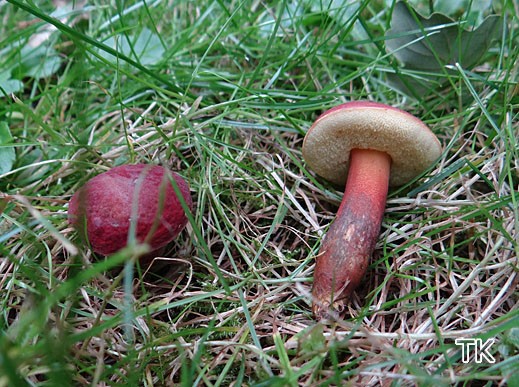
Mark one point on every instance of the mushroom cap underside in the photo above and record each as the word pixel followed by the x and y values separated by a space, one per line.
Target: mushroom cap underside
pixel 368 125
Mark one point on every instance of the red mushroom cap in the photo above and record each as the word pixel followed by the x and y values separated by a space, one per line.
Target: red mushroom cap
pixel 102 209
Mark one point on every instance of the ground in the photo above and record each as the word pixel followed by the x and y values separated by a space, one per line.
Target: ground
pixel 223 93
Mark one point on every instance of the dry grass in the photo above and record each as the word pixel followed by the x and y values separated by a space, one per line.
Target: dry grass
pixel 229 301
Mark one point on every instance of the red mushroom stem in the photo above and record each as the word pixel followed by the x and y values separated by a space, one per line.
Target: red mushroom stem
pixel 351 238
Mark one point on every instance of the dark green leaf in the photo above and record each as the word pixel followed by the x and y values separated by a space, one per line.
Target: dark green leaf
pixel 428 44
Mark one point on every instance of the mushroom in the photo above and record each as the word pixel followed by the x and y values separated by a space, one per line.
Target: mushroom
pixel 138 195
pixel 368 146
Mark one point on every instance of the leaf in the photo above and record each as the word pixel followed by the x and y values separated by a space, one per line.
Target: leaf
pixel 312 341
pixel 473 11
pixel 39 62
pixel 8 85
pixel 267 21
pixel 7 154
pixel 429 44
pixel 509 348
pixel 512 337
pixel 3 204
pixel 344 12
pixel 33 169
pixel 146 47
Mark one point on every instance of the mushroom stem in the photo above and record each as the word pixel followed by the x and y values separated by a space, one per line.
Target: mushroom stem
pixel 351 238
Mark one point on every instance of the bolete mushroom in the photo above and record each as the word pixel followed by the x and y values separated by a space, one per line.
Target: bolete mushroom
pixel 105 207
pixel 368 146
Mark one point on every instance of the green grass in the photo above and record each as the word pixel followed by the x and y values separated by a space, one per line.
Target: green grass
pixel 223 93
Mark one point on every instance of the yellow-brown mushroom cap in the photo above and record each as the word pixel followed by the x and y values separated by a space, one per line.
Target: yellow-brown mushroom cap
pixel 369 125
